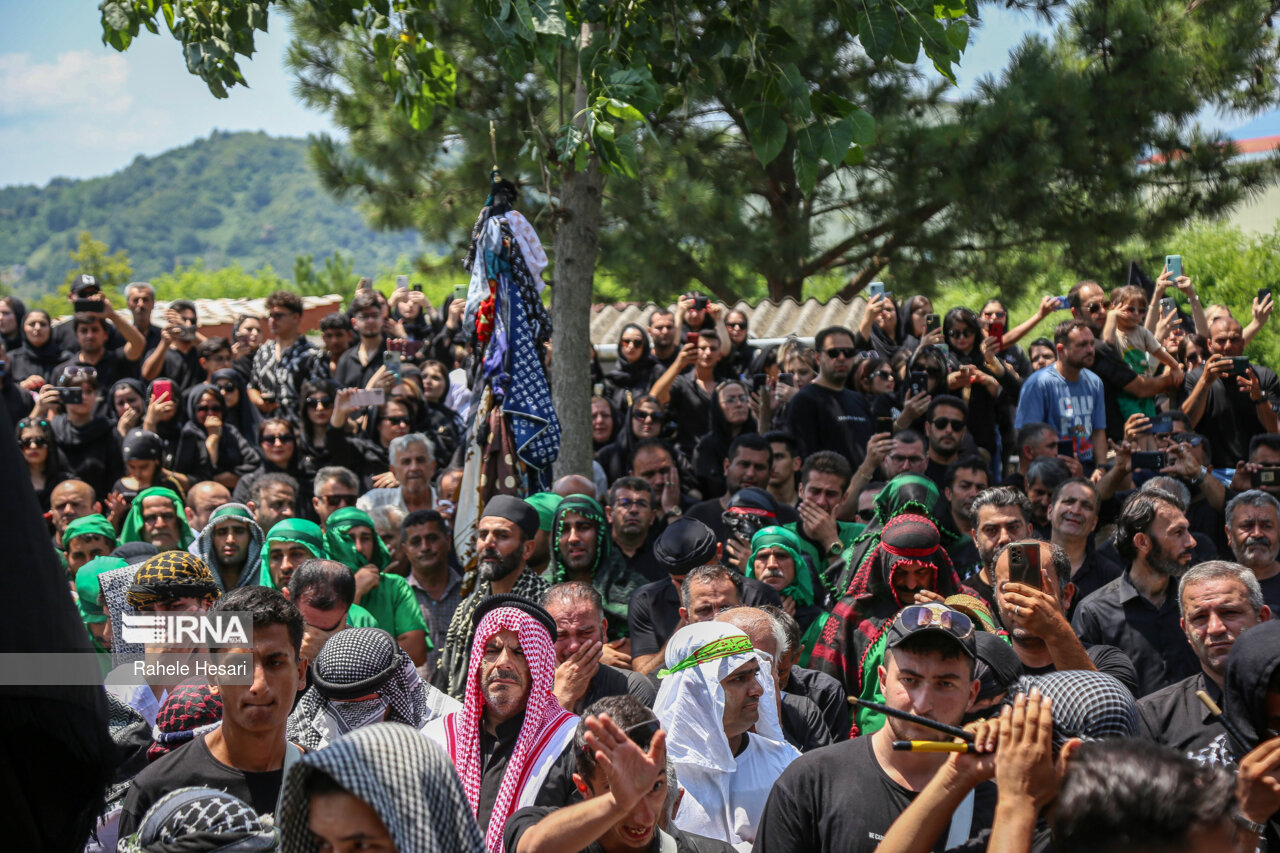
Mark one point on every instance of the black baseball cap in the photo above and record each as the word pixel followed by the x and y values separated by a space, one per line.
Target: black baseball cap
pixel 936 618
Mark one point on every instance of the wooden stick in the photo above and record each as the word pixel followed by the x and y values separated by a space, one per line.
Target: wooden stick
pixel 954 731
pixel 1222 718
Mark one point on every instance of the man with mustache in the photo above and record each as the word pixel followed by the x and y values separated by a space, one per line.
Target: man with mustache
pixel 504 544
pixel 1253 529
pixel 1073 516
pixel 1138 611
pixel 511 743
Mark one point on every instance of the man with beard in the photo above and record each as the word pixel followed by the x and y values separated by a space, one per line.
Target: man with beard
pixel 273 498
pixel 662 331
pixel 1069 397
pixel 1219 601
pixel 413 463
pixel 231 544
pixel 1089 306
pixel 436 584
pixel 1253 529
pixel 997 516
pixel 747 464
pixel 581 552
pixel 582 674
pixel 511 743
pixel 908 559
pixel 944 426
pixel 826 415
pixel 69 500
pixel 504 542
pixel 157 516
pixel 1136 611
pixel 1073 516
pixel 965 478
pixel 1227 407
pixel 1043 478
pixel 1035 616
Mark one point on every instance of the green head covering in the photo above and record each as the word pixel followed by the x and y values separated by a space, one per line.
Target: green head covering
pixel 340 546
pixel 297 531
pixel 133 526
pixel 89 525
pixel 232 510
pixel 545 503
pixel 910 493
pixel 591 510
pixel 801 588
pixel 89 590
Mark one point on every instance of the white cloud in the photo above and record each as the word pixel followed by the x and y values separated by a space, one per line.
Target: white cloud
pixel 76 80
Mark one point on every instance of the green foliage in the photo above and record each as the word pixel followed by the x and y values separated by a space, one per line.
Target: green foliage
pixel 230 282
pixel 91 257
pixel 242 198
pixel 336 276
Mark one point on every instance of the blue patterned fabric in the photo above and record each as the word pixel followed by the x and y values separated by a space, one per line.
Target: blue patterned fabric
pixel 528 400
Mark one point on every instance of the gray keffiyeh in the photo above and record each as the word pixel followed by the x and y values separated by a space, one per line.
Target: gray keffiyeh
pixel 354 664
pixel 404 777
pixel 1086 704
pixel 196 820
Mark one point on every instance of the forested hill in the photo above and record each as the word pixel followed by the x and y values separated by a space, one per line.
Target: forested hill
pixel 244 198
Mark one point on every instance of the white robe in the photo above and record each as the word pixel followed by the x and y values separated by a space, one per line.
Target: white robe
pixel 728 806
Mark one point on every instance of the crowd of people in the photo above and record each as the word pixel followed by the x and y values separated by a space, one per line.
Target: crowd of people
pixel 910 587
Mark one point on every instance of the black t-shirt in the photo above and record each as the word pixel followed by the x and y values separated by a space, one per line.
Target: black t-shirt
pixel 183 369
pixel 689 405
pixel 711 513
pixel 1108 659
pixel 840 800
pixel 1271 592
pixel 521 821
pixel 1115 374
pixel 654 611
pixel 1175 717
pixel 495 755
pixel 822 419
pixel 1230 418
pixel 193 765
pixel 825 692
pixel 643 563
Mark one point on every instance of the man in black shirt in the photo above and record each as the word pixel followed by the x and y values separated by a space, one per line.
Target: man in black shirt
pixel 747 464
pixel 944 427
pixel 140 296
pixel 1036 617
pixel 357 365
pixel 997 516
pixel 246 755
pixel 582 676
pixel 1218 601
pixel 633 507
pixel 1137 612
pixel 825 415
pixel 662 332
pixel 655 608
pixel 845 797
pixel 627 801
pixel 91 349
pixel 177 357
pixel 1225 406
pixel 1253 529
pixel 1073 517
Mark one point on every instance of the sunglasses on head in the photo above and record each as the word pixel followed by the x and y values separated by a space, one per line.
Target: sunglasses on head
pixel 73 375
pixel 920 616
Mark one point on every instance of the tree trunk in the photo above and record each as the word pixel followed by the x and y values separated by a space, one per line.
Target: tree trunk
pixel 576 245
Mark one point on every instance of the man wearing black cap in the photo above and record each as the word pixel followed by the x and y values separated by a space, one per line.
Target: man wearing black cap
pixel 845 797
pixel 92 345
pixel 654 609
pixel 504 543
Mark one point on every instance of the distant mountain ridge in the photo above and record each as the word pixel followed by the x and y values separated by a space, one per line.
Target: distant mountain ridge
pixel 245 198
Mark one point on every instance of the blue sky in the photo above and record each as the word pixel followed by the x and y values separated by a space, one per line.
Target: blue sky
pixel 70 106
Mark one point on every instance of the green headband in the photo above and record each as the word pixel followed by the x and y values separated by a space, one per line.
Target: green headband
pixel 89 525
pixel 714 650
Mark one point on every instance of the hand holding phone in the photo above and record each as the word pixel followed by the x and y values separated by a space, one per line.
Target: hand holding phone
pixel 1024 564
pixel 1173 263
pixel 460 292
pixel 884 426
pixel 161 390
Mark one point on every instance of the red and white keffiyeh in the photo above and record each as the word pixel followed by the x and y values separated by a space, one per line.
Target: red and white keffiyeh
pixel 542 718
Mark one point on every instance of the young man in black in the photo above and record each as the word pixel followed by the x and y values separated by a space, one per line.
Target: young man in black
pixel 826 415
pixel 845 797
pixel 246 755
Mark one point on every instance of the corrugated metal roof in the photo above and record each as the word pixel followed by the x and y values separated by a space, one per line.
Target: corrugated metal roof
pixel 217 312
pixel 767 319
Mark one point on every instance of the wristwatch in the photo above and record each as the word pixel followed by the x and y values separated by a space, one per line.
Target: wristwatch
pixel 834 549
pixel 676 511
pixel 1248 825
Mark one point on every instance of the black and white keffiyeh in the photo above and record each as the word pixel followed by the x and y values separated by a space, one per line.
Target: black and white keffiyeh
pixel 408 780
pixel 354 664
pixel 1087 705
pixel 190 820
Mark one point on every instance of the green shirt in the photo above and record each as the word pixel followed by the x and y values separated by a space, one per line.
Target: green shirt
pixel 358 617
pixel 393 606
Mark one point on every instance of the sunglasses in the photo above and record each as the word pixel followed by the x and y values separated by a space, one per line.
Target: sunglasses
pixel 319 402
pixel 227 387
pixel 34 441
pixel 944 423
pixel 960 333
pixel 209 409
pixel 840 352
pixel 339 500
pixel 735 325
pixel 647 416
pixel 866 515
pixel 883 374
pixel 396 420
pixel 277 439
pixel 629 343
pixel 920 616
pixel 1096 307
pixel 79 374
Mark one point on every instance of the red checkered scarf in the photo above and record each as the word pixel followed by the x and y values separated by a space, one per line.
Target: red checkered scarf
pixel 192 709
pixel 541 711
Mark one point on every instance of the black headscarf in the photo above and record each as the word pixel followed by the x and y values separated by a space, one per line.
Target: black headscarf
pixel 244 416
pixel 14 341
